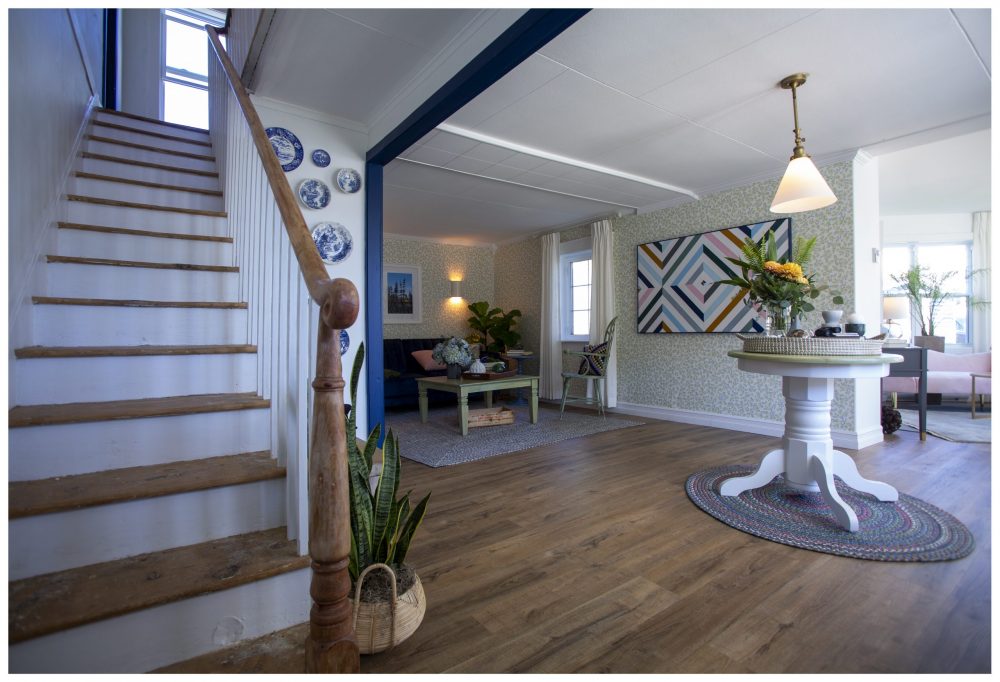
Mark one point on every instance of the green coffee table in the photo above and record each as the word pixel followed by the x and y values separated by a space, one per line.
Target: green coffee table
pixel 463 388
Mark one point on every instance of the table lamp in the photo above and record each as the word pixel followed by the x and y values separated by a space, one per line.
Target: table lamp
pixel 895 308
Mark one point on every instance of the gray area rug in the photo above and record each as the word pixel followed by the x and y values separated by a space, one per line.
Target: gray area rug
pixel 440 443
pixel 957 427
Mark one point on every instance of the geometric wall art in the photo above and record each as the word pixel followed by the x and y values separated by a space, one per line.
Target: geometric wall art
pixel 678 280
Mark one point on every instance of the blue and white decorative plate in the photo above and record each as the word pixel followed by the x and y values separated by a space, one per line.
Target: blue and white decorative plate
pixel 348 180
pixel 345 341
pixel 333 241
pixel 286 147
pixel 314 193
pixel 321 158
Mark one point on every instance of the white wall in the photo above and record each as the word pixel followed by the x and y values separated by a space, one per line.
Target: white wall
pixel 140 60
pixel 49 100
pixel 942 227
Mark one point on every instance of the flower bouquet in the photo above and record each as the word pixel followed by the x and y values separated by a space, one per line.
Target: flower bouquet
pixel 455 353
pixel 777 286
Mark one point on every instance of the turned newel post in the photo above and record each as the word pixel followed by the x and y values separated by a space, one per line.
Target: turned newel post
pixel 331 646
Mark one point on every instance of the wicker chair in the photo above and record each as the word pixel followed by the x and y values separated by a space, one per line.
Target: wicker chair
pixel 593 367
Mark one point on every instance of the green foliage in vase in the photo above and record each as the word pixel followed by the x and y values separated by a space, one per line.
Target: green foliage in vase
pixel 493 323
pixel 382 526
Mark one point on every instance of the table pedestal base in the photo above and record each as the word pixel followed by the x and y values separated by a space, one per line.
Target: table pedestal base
pixel 807 458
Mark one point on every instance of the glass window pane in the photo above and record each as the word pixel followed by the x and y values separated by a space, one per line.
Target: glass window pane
pixel 581 298
pixel 952 320
pixel 187 48
pixel 581 323
pixel 184 105
pixel 940 259
pixel 895 261
pixel 581 272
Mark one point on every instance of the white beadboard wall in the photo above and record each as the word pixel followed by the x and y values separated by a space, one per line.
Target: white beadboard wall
pixel 282 319
pixel 49 123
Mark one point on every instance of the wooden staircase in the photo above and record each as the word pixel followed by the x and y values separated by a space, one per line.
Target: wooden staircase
pixel 146 512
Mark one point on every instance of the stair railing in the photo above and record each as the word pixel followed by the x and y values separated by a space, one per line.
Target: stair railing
pixel 331 645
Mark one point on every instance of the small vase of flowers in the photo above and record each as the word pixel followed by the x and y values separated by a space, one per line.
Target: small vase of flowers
pixel 777 287
pixel 454 353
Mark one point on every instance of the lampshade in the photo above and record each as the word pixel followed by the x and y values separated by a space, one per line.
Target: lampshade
pixel 802 188
pixel 456 288
pixel 895 308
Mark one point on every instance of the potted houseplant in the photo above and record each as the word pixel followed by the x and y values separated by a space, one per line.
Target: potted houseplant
pixel 455 353
pixel 493 323
pixel 921 286
pixel 777 286
pixel 387 596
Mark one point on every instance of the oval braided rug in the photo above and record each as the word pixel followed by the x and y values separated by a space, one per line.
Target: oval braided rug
pixel 907 530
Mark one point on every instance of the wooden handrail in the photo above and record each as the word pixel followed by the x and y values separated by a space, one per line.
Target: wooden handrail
pixel 331 646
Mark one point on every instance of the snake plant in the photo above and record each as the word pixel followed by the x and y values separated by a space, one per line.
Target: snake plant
pixel 382 526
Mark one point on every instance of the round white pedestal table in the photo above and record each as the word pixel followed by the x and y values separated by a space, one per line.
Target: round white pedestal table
pixel 806 457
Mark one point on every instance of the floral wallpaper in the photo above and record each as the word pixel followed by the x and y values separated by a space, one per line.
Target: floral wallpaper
pixel 691 371
pixel 440 263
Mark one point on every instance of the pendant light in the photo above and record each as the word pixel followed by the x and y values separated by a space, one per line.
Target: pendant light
pixel 802 188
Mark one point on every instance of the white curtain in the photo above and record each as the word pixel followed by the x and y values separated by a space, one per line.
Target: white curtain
pixel 602 300
pixel 981 317
pixel 550 352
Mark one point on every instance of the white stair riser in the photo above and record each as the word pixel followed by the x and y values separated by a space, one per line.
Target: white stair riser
pixel 113 281
pixel 154 127
pixel 144 219
pixel 121 191
pixel 155 637
pixel 149 140
pixel 125 152
pixel 70 380
pixel 127 170
pixel 55 542
pixel 66 449
pixel 82 325
pixel 149 249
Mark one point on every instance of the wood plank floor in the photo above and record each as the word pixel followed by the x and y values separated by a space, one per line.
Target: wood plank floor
pixel 587 556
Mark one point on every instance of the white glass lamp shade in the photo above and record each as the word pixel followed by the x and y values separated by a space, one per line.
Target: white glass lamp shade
pixel 895 308
pixel 802 188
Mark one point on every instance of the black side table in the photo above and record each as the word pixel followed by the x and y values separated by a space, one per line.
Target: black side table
pixel 914 364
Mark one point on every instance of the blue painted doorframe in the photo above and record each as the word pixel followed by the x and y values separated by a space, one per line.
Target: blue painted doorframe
pixel 523 38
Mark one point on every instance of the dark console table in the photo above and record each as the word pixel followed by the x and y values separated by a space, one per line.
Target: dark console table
pixel 914 364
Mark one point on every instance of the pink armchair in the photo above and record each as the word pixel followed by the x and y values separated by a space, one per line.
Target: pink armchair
pixel 947 373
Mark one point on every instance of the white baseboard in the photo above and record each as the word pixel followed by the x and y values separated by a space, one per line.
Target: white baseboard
pixel 850 440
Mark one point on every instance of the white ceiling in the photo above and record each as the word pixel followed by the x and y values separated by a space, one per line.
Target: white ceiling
pixel 632 110
pixel 950 176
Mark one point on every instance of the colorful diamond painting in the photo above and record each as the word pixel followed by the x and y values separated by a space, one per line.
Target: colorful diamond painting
pixel 678 280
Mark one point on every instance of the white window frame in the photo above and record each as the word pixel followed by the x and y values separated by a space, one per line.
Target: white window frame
pixel 569 253
pixel 195 19
pixel 912 247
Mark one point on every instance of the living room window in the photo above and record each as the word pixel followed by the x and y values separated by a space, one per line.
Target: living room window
pixel 574 285
pixel 184 64
pixel 953 320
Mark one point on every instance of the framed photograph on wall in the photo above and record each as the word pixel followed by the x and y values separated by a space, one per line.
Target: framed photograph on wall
pixel 678 281
pixel 401 294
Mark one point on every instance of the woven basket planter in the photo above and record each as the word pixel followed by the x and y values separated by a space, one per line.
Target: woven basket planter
pixel 382 625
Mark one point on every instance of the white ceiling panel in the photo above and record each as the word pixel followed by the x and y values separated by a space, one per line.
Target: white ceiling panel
pixel 429 29
pixel 468 165
pixel 524 161
pixel 530 75
pixel 489 152
pixel 652 47
pixel 430 155
pixel 576 117
pixel 448 142
pixel 976 24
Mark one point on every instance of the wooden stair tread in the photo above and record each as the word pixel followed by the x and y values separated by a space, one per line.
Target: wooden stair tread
pixel 81 260
pixel 150 148
pixel 144 183
pixel 149 164
pixel 147 119
pixel 129 351
pixel 277 653
pixel 145 207
pixel 49 603
pixel 128 303
pixel 64 493
pixel 132 232
pixel 71 413
pixel 150 133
